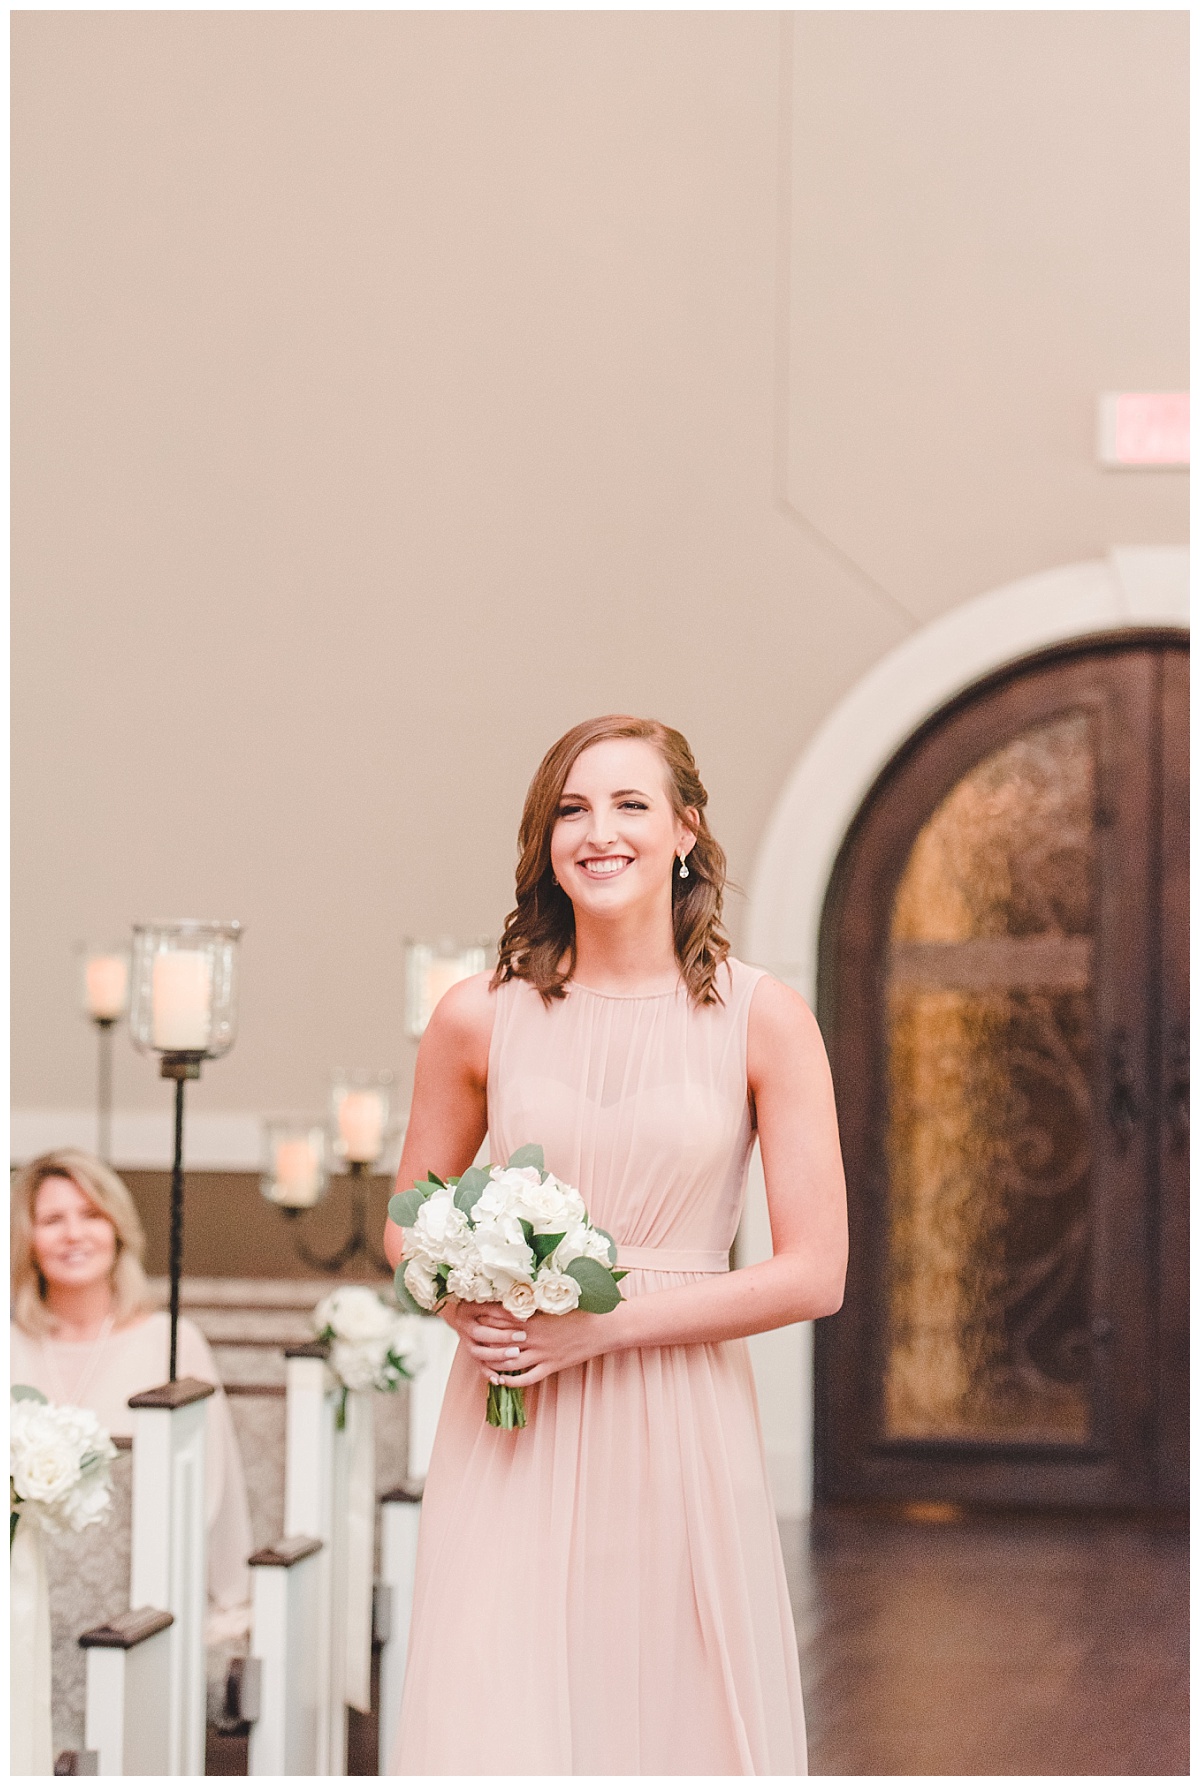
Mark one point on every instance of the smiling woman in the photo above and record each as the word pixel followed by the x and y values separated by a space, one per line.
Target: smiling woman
pixel 578 841
pixel 625 1540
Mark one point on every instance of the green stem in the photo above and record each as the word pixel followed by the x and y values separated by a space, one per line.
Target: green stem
pixel 505 1407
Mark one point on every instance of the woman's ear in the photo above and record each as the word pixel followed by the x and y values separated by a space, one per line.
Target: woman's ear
pixel 691 830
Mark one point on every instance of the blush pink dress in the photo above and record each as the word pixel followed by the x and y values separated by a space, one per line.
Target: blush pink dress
pixel 603 1593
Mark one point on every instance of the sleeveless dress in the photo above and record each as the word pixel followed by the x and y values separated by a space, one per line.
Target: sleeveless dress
pixel 603 1592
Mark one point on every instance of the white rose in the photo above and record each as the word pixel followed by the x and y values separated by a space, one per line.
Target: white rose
pixel 581 1242
pixel 43 1460
pixel 420 1283
pixel 556 1293
pixel 519 1299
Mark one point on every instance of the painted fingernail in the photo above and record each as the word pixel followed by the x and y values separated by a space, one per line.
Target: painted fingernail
pixel 512 1352
pixel 518 1336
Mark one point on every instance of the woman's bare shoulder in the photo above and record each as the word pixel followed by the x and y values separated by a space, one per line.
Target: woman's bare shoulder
pixel 468 1008
pixel 781 1022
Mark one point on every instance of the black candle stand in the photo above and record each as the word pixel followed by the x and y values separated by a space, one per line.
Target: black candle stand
pixel 356 1242
pixel 105 1027
pixel 179 1067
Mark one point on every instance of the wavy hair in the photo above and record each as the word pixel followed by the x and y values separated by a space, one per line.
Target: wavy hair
pixel 101 1186
pixel 540 931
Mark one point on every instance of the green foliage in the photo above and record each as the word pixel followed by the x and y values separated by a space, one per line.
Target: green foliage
pixel 532 1155
pixel 404 1295
pixel 598 1291
pixel 612 1245
pixel 544 1244
pixel 471 1187
pixel 23 1392
pixel 405 1207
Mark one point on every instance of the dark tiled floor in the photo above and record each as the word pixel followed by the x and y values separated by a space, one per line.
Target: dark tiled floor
pixel 991 1645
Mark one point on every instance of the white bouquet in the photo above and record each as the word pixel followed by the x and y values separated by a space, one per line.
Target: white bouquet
pixel 59 1464
pixel 511 1234
pixel 372 1345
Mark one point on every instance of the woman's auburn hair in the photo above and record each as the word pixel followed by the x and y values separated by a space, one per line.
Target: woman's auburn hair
pixel 538 944
pixel 101 1186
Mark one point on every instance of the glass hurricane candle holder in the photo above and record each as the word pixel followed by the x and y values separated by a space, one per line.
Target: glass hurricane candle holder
pixel 104 981
pixel 431 969
pixel 361 1100
pixel 295 1162
pixel 184 988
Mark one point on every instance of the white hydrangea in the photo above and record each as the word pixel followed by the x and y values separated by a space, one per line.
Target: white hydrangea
pixel 372 1344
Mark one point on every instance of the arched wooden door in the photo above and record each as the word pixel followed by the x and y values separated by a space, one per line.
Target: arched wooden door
pixel 1003 992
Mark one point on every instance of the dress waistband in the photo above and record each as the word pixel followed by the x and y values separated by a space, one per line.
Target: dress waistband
pixel 665 1258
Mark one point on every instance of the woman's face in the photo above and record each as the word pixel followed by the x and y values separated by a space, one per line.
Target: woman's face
pixel 73 1242
pixel 616 837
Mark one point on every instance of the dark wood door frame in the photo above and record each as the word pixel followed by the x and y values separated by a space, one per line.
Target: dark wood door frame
pixel 1136 1455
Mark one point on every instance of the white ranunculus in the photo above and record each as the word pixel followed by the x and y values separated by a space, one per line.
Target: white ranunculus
pixel 420 1283
pixel 555 1293
pixel 354 1313
pixel 520 1300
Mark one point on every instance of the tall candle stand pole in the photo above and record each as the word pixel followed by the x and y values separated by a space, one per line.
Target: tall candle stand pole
pixel 105 1027
pixel 180 1068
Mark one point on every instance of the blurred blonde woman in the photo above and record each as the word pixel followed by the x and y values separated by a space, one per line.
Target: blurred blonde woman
pixel 85 1332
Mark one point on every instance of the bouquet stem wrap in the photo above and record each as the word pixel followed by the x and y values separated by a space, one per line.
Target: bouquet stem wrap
pixel 505 1406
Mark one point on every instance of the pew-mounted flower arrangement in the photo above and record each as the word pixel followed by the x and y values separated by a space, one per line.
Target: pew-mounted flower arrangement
pixel 59 1464
pixel 372 1344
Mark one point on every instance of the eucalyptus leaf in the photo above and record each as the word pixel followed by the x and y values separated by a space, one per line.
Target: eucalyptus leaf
pixel 598 1291
pixel 471 1188
pixel 404 1207
pixel 434 1179
pixel 532 1155
pixel 544 1244
pixel 405 1297
pixel 24 1392
pixel 618 1275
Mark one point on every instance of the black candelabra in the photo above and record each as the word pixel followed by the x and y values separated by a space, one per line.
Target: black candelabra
pixel 357 1240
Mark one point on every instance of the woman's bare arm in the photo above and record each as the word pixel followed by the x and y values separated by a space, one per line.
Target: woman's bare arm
pixel 448 1119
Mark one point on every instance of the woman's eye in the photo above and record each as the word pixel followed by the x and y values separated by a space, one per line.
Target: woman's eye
pixel 635 805
pixel 568 812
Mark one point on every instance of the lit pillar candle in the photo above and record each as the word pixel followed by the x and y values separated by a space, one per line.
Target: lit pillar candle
pixel 106 981
pixel 181 1000
pixel 360 1125
pixel 297 1174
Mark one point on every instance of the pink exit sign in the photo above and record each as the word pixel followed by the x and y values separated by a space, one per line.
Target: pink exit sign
pixel 1145 428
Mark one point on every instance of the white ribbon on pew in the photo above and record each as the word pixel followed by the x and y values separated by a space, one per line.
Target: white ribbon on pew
pixel 359 1439
pixel 31 1744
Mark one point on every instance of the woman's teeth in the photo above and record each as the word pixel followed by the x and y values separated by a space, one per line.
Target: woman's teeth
pixel 598 866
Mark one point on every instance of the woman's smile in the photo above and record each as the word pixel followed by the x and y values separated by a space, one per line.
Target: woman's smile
pixel 599 868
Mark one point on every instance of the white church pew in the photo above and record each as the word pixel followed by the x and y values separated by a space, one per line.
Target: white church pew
pixel 127 1723
pixel 288 1731
pixel 169 1548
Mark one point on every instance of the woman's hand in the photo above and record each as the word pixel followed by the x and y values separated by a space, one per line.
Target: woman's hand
pixel 522 1352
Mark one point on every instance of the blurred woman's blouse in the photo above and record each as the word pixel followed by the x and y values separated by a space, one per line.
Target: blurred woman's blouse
pixel 103 1375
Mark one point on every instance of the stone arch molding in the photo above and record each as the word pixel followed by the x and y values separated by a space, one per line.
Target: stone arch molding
pixel 1134 586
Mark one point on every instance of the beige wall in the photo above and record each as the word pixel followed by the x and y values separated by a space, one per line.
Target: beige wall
pixel 391 390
